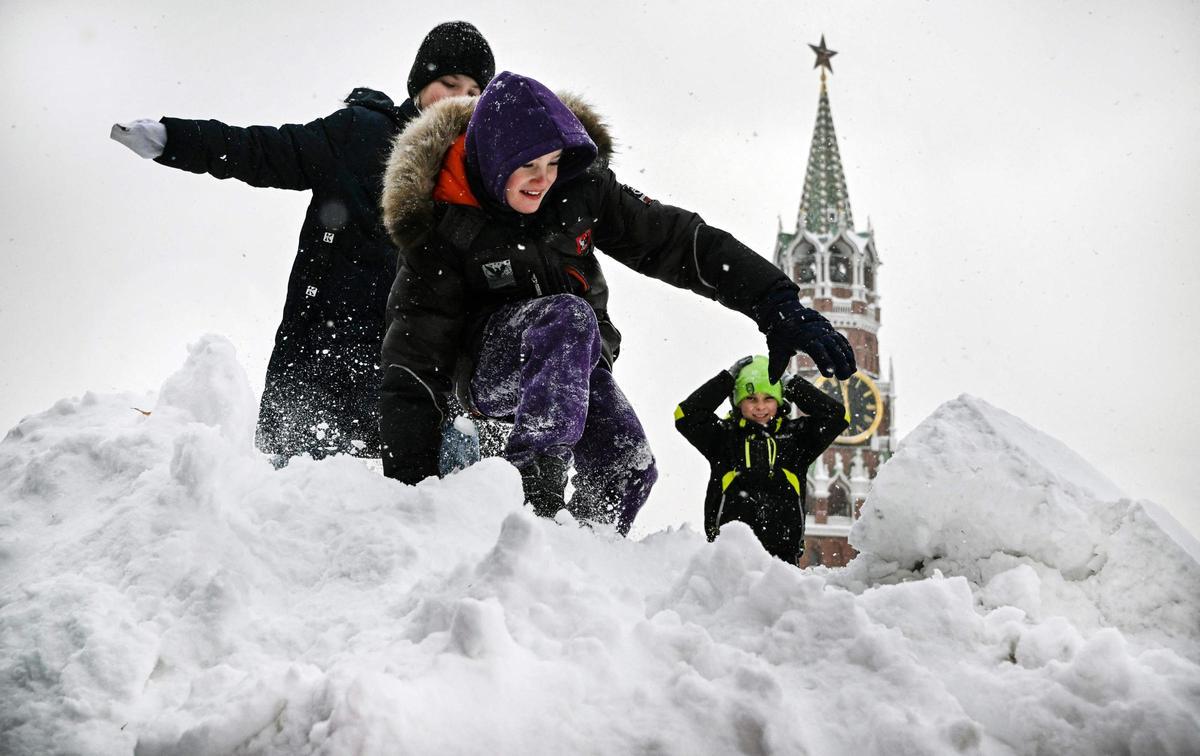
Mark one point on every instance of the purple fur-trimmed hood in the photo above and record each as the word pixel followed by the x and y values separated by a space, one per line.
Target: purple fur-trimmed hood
pixel 516 120
pixel 418 151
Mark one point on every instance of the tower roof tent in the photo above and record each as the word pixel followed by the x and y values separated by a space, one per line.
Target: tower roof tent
pixel 825 203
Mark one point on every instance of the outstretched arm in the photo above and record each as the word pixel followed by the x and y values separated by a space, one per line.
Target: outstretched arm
pixel 676 246
pixel 292 156
pixel 285 157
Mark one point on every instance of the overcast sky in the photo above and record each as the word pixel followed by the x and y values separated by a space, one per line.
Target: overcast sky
pixel 1031 169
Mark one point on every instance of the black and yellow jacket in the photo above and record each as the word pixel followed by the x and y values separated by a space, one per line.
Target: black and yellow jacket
pixel 758 471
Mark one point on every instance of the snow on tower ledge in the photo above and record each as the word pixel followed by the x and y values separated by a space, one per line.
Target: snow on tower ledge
pixel 165 590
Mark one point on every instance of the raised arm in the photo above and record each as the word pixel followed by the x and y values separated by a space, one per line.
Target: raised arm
pixel 695 418
pixel 825 419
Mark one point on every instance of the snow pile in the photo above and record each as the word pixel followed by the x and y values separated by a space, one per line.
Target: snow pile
pixel 976 492
pixel 164 590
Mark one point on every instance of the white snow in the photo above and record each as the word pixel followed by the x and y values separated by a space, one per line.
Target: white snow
pixel 164 590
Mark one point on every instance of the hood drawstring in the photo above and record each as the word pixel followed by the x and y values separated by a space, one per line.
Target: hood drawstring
pixel 772 454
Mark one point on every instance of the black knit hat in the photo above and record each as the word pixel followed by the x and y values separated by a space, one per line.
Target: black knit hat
pixel 454 47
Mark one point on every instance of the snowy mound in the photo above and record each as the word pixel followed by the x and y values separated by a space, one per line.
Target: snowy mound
pixel 974 491
pixel 164 590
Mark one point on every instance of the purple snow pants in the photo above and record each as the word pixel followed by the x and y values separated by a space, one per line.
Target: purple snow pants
pixel 540 364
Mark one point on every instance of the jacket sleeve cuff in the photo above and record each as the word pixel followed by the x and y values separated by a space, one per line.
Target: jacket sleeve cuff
pixel 184 148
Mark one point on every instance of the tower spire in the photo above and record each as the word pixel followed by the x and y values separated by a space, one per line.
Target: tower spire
pixel 834 267
pixel 825 203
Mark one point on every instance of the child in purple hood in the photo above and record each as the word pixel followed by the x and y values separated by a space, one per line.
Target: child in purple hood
pixel 498 206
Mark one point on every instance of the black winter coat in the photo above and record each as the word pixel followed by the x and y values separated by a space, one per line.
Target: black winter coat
pixel 461 263
pixel 322 386
pixel 758 472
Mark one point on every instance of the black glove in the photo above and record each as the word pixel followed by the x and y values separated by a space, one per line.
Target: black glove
pixel 791 327
pixel 736 367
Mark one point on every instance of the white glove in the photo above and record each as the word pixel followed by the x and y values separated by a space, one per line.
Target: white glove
pixel 145 137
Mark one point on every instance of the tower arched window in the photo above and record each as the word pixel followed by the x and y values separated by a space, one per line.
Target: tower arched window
pixel 839 501
pixel 840 269
pixel 869 276
pixel 806 269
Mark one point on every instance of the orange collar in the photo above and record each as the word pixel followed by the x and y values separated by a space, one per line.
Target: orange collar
pixel 452 185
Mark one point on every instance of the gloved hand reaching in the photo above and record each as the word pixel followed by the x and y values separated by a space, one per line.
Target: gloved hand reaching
pixel 791 327
pixel 736 367
pixel 145 137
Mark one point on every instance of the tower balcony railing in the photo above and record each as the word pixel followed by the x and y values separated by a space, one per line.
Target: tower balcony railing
pixel 865 321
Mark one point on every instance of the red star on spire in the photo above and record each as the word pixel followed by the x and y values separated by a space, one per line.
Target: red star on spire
pixel 824 54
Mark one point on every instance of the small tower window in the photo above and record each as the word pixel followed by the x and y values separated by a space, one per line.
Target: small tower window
pixel 839 501
pixel 869 276
pixel 806 270
pixel 839 267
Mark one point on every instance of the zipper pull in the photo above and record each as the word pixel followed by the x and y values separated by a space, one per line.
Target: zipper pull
pixel 537 287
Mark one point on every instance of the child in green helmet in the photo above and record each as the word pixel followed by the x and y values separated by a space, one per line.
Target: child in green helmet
pixel 759 455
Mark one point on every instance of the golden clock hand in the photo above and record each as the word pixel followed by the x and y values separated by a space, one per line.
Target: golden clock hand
pixel 845 397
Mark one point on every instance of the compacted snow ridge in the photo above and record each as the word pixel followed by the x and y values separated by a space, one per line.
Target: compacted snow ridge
pixel 165 590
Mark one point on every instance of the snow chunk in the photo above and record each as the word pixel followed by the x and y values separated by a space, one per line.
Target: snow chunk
pixel 211 388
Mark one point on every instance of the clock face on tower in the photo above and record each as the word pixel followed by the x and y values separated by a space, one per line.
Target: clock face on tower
pixel 862 400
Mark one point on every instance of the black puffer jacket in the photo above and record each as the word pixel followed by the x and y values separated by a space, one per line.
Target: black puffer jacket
pixel 460 263
pixel 758 471
pixel 322 385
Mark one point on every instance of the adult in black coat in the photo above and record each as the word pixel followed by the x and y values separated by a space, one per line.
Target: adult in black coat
pixel 322 386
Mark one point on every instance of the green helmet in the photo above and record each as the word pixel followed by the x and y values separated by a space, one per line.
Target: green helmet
pixel 753 380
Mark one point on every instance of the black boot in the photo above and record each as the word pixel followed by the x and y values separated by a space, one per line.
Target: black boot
pixel 544 479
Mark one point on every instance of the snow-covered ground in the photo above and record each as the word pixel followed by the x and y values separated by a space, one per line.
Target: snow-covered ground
pixel 164 590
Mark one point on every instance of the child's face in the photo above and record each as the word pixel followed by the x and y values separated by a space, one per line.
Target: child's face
pixel 529 183
pixel 450 85
pixel 760 408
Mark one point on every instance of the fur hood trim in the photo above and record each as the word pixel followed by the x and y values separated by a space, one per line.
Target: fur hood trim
pixel 418 151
